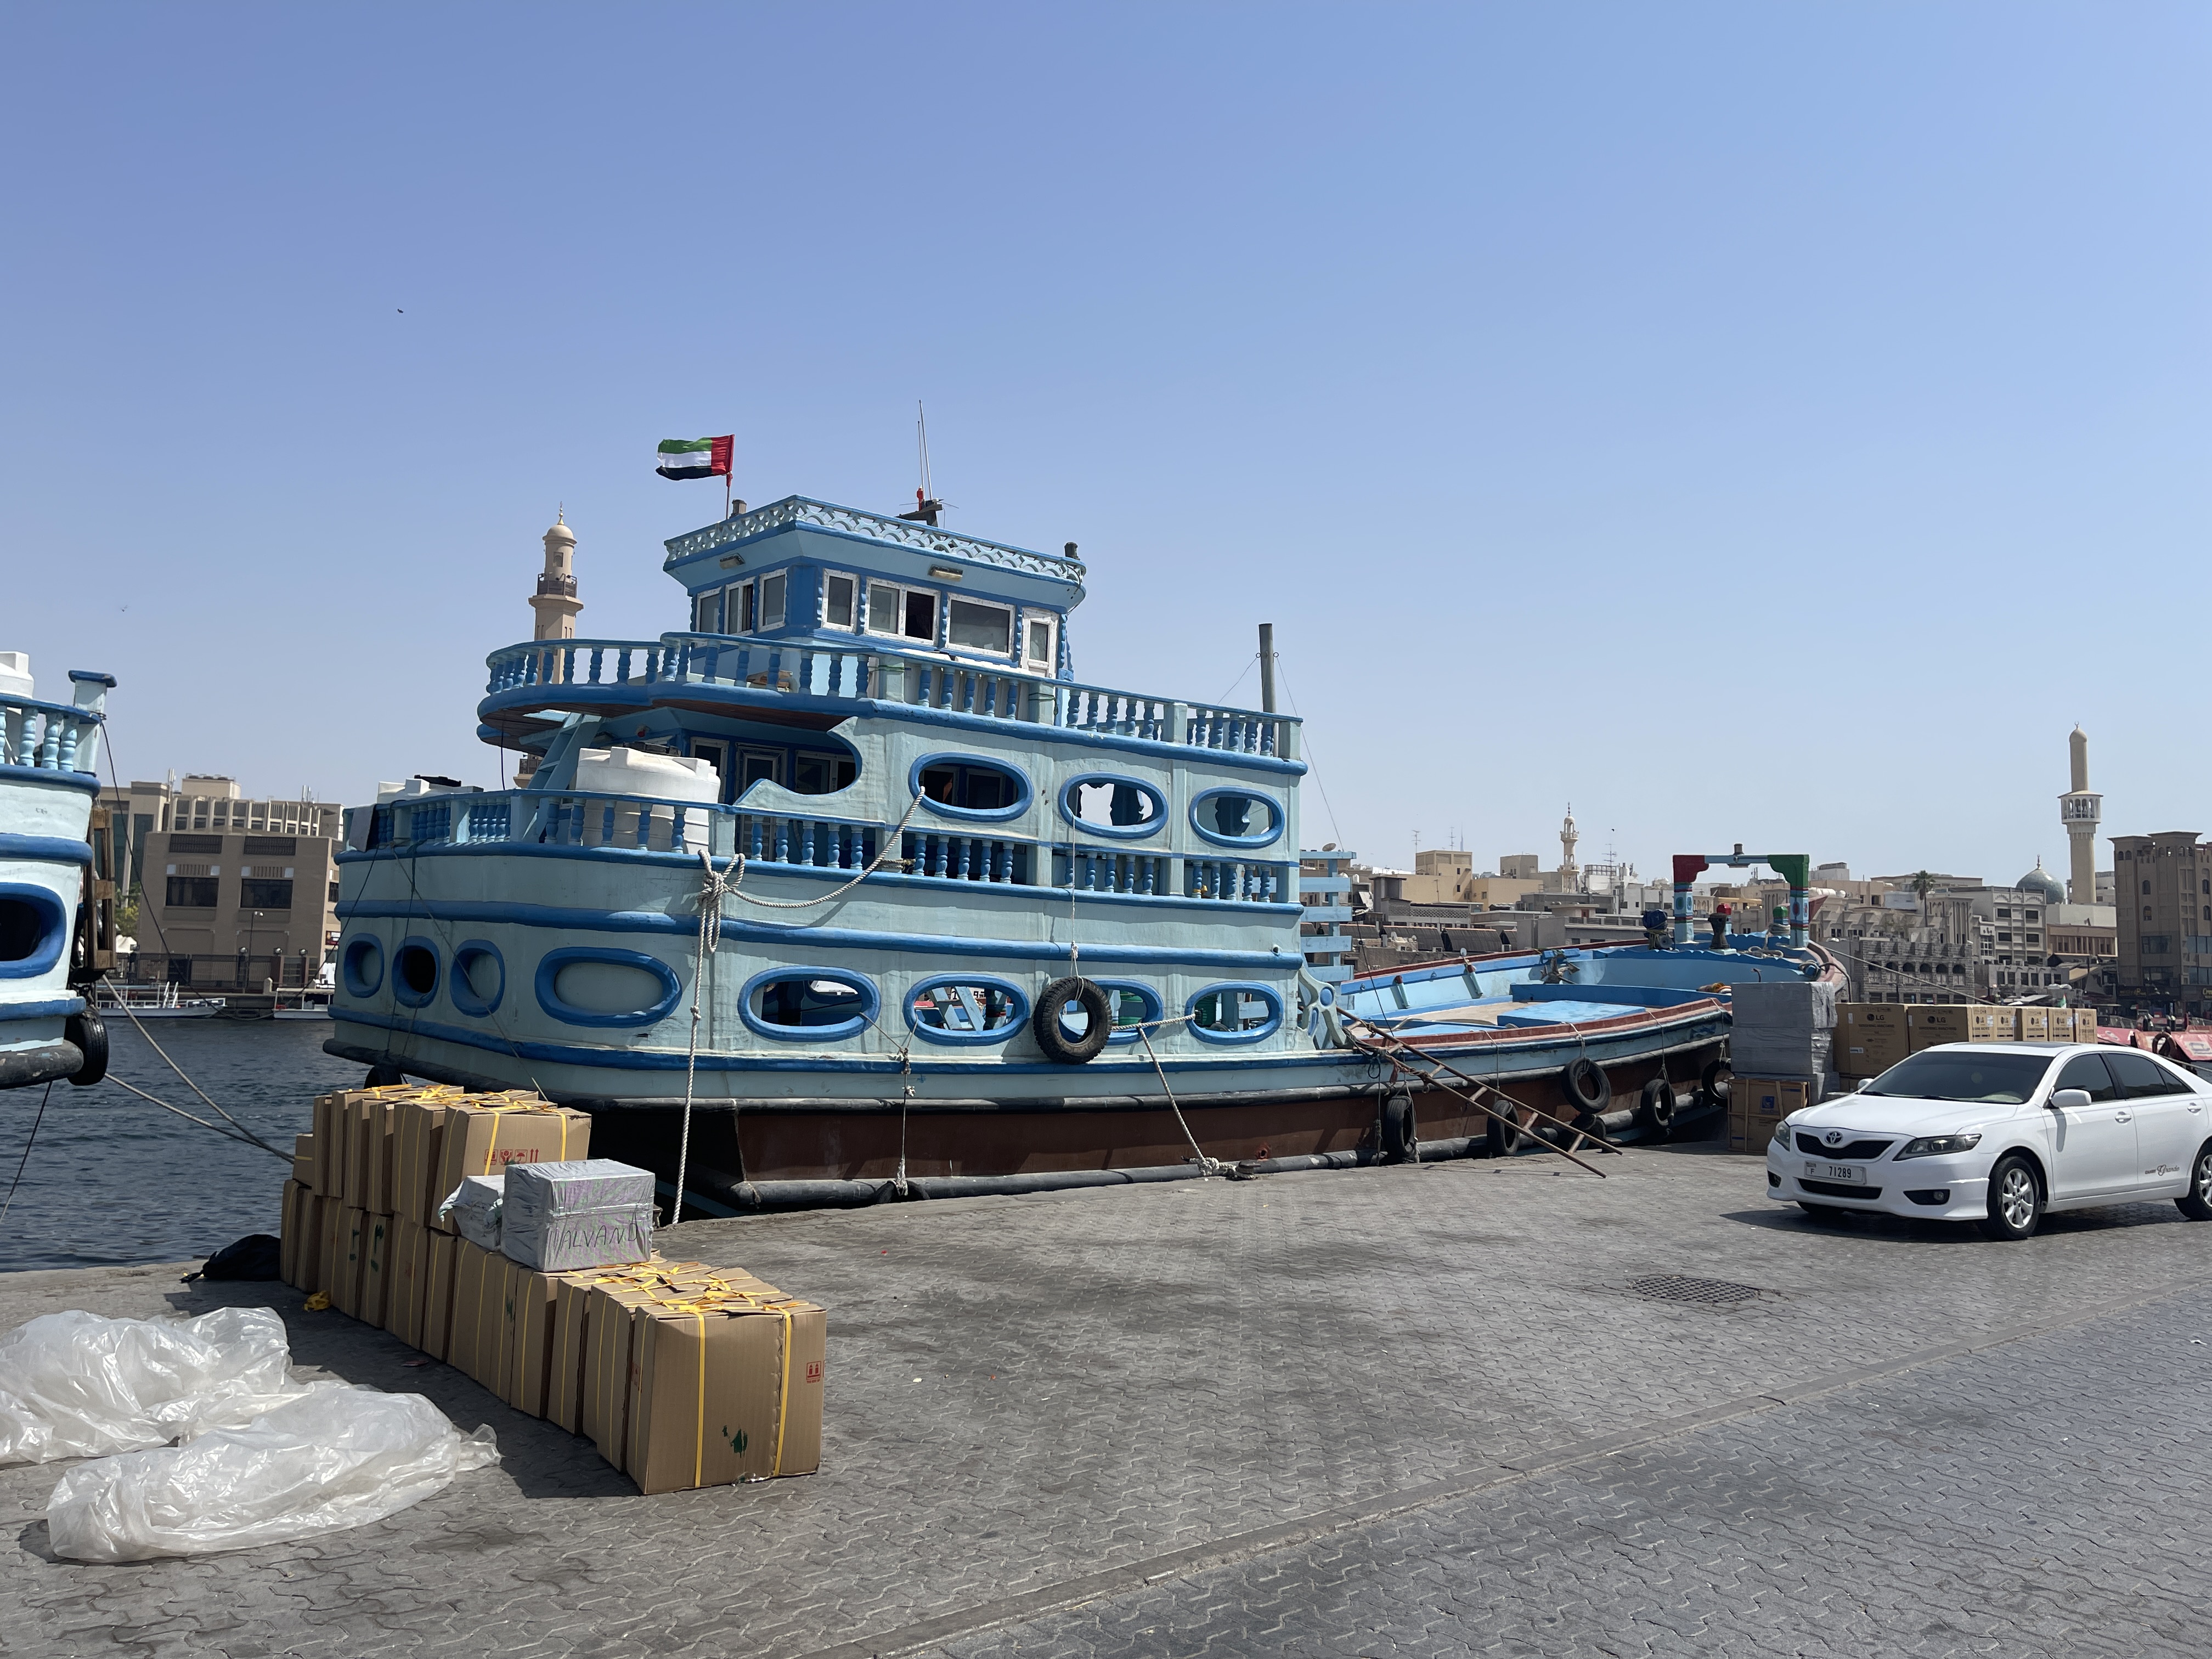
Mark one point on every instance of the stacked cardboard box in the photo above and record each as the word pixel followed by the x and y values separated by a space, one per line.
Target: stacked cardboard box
pixel 682 1375
pixel 1757 1106
pixel 1928 1023
pixel 1870 1037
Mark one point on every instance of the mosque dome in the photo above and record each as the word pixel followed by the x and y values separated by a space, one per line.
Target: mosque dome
pixel 2040 880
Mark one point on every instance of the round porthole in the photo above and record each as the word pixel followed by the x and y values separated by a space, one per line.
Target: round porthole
pixel 971 787
pixel 1237 817
pixel 1235 1012
pixel 588 986
pixel 415 972
pixel 479 978
pixel 1106 804
pixel 808 1005
pixel 361 966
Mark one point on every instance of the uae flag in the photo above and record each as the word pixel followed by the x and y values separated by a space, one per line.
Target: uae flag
pixel 694 458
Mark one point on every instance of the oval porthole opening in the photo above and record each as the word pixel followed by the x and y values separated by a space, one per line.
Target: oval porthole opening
pixel 596 985
pixel 1235 1013
pixel 971 786
pixel 478 982
pixel 808 1005
pixel 415 972
pixel 360 966
pixel 966 1009
pixel 1133 1004
pixel 34 930
pixel 1237 817
pixel 1106 804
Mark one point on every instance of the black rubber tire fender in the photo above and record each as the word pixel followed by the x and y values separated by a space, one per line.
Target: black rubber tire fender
pixel 1715 1080
pixel 89 1032
pixel 1400 1138
pixel 1655 1112
pixel 1586 1085
pixel 1044 1025
pixel 383 1075
pixel 1500 1141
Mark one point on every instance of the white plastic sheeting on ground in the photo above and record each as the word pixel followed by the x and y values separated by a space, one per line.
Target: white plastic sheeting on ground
pixel 76 1384
pixel 343 1457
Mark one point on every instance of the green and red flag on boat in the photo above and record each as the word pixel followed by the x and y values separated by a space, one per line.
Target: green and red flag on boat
pixel 694 458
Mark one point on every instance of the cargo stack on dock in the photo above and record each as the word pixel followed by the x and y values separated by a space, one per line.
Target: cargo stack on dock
pixel 680 1374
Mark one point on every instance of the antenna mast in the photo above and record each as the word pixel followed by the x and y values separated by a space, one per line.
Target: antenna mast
pixel 927 506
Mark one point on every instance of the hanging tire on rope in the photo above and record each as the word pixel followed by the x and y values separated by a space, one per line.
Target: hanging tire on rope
pixel 383 1075
pixel 1586 1087
pixel 1655 1112
pixel 1400 1137
pixel 1061 996
pixel 1714 1081
pixel 90 1033
pixel 1500 1141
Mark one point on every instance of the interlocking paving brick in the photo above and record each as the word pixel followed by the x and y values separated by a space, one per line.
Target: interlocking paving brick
pixel 1024 1391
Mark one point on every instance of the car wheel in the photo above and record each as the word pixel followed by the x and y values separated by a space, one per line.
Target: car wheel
pixel 2015 1199
pixel 2196 1202
pixel 1822 1212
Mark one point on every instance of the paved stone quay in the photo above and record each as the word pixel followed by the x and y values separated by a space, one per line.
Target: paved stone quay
pixel 1392 1411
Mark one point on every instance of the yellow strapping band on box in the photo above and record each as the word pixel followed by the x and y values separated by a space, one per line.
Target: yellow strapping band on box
pixel 498 1112
pixel 699 1311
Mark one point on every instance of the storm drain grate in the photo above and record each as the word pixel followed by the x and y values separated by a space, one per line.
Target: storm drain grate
pixel 1705 1292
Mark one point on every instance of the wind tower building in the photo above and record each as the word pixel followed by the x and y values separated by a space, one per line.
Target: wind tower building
pixel 556 601
pixel 2080 810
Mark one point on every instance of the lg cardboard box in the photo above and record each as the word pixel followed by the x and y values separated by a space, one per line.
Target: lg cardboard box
pixel 479 1138
pixel 1869 1051
pixel 2035 1025
pixel 1997 1025
pixel 1756 1105
pixel 330 1145
pixel 725 1393
pixel 303 1159
pixel 1873 1015
pixel 1928 1023
pixel 330 1251
pixel 2085 1025
pixel 530 1319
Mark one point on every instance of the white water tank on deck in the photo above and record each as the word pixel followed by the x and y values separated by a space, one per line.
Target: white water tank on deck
pixel 620 771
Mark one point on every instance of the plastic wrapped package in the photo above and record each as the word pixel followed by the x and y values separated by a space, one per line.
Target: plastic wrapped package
pixel 586 1212
pixel 78 1384
pixel 474 1206
pixel 343 1457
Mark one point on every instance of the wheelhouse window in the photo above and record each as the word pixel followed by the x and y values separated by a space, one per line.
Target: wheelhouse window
pixel 771 600
pixel 814 773
pixel 907 613
pixel 838 596
pixel 1036 645
pixel 740 611
pixel 707 613
pixel 975 626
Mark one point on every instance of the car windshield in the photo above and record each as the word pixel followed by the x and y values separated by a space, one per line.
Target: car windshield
pixel 1999 1080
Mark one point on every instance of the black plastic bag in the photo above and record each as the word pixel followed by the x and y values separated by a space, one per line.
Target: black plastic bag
pixel 255 1256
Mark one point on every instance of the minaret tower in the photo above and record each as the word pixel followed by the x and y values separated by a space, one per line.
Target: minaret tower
pixel 2079 810
pixel 556 601
pixel 1570 877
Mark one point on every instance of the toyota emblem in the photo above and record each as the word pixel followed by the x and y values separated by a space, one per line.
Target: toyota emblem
pixel 1835 1137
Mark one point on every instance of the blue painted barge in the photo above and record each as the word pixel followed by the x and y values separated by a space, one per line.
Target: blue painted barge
pixel 868 762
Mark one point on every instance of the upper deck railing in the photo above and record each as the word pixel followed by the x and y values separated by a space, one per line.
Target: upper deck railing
pixel 53 737
pixel 876 527
pixel 900 676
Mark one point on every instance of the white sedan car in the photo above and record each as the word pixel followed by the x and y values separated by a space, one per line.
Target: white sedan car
pixel 1999 1132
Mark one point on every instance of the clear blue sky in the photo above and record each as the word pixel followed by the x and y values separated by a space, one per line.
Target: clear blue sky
pixel 1775 424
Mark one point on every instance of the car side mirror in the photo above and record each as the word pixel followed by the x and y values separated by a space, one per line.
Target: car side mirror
pixel 2070 1100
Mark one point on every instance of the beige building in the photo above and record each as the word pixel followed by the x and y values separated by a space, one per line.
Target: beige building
pixel 2165 920
pixel 232 892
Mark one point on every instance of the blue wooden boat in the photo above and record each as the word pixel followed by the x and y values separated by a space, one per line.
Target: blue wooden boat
pixel 855 868
pixel 49 754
